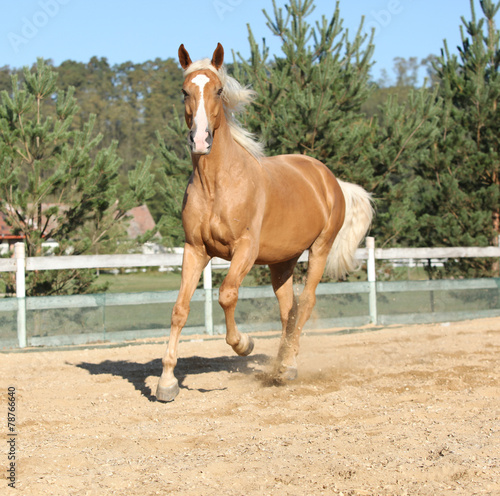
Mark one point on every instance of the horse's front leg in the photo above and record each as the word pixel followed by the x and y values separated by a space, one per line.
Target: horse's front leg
pixel 241 263
pixel 193 263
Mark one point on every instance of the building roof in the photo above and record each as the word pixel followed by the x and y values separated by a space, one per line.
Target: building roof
pixel 5 230
pixel 141 221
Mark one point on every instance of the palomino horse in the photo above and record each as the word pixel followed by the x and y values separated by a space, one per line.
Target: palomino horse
pixel 251 209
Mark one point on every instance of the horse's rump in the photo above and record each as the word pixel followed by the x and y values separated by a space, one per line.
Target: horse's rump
pixel 358 218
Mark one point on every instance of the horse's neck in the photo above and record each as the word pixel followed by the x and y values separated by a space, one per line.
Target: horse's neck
pixel 225 158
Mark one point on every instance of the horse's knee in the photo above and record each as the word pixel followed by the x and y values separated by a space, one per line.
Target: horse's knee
pixel 228 296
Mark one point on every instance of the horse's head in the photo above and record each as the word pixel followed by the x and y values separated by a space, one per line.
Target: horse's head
pixel 202 91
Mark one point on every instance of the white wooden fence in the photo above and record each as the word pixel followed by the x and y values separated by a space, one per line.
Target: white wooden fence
pixel 20 264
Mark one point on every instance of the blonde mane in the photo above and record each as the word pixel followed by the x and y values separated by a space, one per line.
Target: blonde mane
pixel 235 98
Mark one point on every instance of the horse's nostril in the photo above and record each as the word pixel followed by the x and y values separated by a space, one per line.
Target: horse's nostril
pixel 191 137
pixel 210 138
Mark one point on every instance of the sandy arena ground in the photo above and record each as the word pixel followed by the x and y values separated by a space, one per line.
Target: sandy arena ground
pixel 399 411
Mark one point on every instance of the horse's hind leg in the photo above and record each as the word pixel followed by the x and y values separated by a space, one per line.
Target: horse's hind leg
pixel 289 348
pixel 282 281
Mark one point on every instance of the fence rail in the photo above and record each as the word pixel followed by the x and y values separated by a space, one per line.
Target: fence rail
pixel 20 264
pixel 430 253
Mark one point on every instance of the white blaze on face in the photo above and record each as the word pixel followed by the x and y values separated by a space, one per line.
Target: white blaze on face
pixel 201 119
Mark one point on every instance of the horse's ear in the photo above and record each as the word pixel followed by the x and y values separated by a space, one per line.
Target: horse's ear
pixel 218 56
pixel 184 58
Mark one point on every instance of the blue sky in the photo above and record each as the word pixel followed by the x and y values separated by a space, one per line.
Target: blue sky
pixel 133 30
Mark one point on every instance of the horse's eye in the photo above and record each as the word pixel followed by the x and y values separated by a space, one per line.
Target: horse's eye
pixel 184 94
pixel 219 93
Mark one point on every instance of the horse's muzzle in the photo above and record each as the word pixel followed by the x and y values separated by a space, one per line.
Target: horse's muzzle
pixel 200 145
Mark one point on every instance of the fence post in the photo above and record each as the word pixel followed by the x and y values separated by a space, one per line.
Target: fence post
pixel 20 256
pixel 207 286
pixel 372 279
pixel 498 261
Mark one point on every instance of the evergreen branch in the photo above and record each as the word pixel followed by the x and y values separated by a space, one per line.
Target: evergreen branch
pixel 29 158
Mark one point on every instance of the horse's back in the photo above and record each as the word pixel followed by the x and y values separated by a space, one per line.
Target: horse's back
pixel 300 173
pixel 303 200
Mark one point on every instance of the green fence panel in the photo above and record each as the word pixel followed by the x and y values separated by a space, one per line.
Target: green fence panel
pixel 79 319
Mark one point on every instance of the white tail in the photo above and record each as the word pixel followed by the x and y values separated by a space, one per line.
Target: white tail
pixel 357 221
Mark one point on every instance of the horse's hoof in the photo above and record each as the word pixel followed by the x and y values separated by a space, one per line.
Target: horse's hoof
pixel 166 394
pixel 245 346
pixel 288 373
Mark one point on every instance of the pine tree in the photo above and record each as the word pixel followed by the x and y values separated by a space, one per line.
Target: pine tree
pixel 57 183
pixel 309 97
pixel 459 183
pixel 131 101
pixel 402 140
pixel 173 178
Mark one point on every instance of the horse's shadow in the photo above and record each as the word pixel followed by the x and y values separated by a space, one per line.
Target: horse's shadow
pixel 137 373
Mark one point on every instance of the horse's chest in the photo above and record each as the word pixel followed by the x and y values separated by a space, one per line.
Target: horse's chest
pixel 218 234
pixel 219 222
